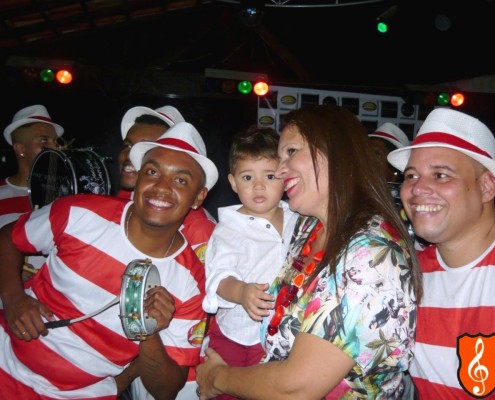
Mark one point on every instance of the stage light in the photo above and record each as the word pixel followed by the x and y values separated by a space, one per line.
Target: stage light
pixel 383 20
pixel 382 27
pixel 43 70
pixel 245 87
pixel 261 88
pixel 457 99
pixel 64 76
pixel 443 99
pixel 235 82
pixel 30 74
pixel 47 75
pixel 228 86
pixel 252 12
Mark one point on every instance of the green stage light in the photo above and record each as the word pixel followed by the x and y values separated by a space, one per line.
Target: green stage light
pixel 47 75
pixel 443 99
pixel 245 87
pixel 384 19
pixel 382 27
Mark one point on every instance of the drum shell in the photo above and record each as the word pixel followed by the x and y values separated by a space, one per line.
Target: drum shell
pixel 139 277
pixel 57 173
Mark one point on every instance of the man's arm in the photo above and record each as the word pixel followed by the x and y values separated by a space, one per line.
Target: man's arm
pixel 124 379
pixel 22 312
pixel 161 375
pixel 11 261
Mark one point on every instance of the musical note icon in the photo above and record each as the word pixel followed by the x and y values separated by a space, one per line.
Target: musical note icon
pixel 477 371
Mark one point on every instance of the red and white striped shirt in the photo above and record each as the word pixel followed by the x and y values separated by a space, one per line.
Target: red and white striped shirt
pixel 14 200
pixel 88 254
pixel 457 301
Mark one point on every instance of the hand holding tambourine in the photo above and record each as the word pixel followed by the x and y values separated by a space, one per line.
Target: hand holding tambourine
pixel 145 306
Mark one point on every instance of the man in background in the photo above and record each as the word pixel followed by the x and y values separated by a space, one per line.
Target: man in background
pixel 143 124
pixel 30 131
pixel 388 137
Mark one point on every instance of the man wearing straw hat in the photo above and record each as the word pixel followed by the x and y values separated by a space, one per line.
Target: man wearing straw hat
pixel 90 241
pixel 448 194
pixel 386 138
pixel 30 131
pixel 141 124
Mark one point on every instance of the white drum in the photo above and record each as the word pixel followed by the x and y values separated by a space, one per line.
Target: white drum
pixel 57 173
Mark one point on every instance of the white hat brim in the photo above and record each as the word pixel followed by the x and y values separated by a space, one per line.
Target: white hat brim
pixel 130 117
pixel 7 133
pixel 140 149
pixel 393 142
pixel 400 157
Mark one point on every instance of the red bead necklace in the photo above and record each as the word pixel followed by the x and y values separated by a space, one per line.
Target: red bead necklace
pixel 288 292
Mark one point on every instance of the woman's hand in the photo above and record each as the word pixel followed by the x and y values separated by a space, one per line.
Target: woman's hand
pixel 206 373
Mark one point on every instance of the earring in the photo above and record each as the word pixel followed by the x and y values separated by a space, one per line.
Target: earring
pixel 22 154
pixel 194 207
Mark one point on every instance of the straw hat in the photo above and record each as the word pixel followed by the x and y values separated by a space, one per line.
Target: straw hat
pixel 392 134
pixel 170 115
pixel 29 115
pixel 181 137
pixel 444 127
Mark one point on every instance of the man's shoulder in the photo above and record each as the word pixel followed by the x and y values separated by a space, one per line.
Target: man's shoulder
pixel 8 190
pixel 103 205
pixel 200 215
pixel 124 194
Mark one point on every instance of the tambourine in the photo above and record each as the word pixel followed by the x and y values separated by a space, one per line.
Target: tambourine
pixel 139 277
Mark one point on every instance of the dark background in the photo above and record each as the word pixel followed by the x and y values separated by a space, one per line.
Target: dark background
pixel 152 53
pixel 94 121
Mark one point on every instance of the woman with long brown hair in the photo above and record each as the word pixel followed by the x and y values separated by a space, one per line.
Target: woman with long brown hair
pixel 343 318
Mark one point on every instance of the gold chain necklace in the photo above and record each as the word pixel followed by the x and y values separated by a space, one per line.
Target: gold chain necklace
pixel 127 234
pixel 170 245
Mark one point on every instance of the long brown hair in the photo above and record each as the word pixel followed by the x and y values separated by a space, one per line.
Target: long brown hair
pixel 357 191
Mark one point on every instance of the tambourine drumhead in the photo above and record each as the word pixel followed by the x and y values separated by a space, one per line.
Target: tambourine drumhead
pixel 56 173
pixel 139 277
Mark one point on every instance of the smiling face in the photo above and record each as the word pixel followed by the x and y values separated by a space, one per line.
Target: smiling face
pixel 255 183
pixel 169 184
pixel 443 193
pixel 306 195
pixel 139 132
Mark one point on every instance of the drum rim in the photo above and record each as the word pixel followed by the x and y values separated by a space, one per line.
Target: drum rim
pixel 72 169
pixel 65 160
pixel 151 272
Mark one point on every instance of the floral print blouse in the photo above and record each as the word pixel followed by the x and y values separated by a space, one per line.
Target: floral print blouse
pixel 367 309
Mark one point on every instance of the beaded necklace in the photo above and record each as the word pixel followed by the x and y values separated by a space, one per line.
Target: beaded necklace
pixel 288 292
